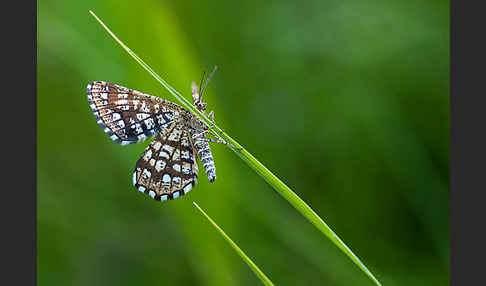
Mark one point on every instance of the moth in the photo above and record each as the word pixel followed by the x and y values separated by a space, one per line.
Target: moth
pixel 167 168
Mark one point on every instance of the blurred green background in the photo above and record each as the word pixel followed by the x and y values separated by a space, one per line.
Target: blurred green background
pixel 345 101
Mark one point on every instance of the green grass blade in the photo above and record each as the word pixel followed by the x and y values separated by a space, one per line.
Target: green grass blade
pixel 265 280
pixel 259 168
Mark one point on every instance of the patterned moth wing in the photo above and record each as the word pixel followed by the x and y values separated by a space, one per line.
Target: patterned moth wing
pixel 129 116
pixel 167 169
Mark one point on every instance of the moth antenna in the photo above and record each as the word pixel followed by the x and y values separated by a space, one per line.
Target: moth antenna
pixel 200 84
pixel 207 80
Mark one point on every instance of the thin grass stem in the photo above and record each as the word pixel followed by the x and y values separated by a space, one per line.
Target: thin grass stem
pixel 265 280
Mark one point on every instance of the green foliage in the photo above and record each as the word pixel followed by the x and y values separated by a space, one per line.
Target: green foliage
pixel 347 101
pixel 261 170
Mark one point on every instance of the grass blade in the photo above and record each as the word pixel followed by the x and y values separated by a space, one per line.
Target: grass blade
pixel 258 167
pixel 265 280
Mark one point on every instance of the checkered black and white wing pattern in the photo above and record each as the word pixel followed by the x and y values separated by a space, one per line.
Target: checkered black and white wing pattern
pixel 129 116
pixel 167 169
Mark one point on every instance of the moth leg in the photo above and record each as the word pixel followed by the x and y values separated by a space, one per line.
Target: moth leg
pixel 218 140
pixel 213 123
pixel 215 140
pixel 211 116
pixel 203 133
pixel 200 134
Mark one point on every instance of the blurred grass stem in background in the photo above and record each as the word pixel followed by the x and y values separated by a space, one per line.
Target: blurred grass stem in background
pixel 268 176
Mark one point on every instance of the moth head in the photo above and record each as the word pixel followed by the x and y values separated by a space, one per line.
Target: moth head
pixel 197 93
pixel 201 106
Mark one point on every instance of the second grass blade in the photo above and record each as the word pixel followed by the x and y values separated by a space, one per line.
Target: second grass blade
pixel 265 280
